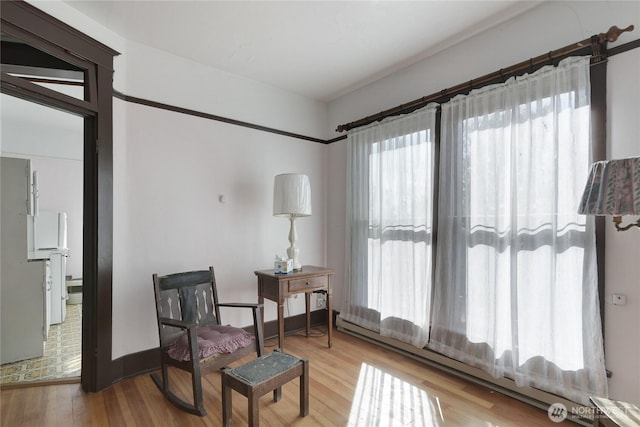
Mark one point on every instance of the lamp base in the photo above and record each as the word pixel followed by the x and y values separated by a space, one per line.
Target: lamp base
pixel 296 264
pixel 293 252
pixel 617 220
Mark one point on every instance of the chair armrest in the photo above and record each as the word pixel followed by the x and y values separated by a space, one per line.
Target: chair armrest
pixel 177 323
pixel 257 321
pixel 240 305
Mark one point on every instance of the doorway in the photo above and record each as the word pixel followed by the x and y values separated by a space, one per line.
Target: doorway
pixel 44 38
pixel 52 142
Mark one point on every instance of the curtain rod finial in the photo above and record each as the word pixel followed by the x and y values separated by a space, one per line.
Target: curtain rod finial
pixel 613 33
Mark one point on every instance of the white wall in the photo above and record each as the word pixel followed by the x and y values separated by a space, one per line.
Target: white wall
pixel 622 274
pixel 544 28
pixel 60 188
pixel 157 75
pixel 169 171
pixel 32 130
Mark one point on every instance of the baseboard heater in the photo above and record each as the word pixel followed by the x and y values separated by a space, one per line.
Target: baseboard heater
pixel 506 386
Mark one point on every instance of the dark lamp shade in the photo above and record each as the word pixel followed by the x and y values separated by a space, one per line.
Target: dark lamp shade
pixel 613 188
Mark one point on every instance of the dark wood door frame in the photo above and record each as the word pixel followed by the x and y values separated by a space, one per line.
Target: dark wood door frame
pixel 29 24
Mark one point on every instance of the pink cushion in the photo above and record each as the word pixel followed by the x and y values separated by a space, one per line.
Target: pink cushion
pixel 211 339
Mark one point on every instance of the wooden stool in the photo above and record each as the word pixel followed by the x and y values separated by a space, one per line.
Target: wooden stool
pixel 260 376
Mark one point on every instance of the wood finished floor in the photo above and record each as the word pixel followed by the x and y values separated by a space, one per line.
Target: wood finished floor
pixel 355 383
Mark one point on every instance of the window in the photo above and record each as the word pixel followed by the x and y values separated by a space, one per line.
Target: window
pixel 515 289
pixel 391 210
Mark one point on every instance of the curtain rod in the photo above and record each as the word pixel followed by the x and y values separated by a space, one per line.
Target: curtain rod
pixel 596 43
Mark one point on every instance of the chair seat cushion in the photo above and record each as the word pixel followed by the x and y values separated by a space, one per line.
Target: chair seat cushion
pixel 211 339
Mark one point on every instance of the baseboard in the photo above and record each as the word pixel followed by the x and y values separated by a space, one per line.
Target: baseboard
pixel 135 364
pixel 294 323
pixel 40 383
pixel 145 361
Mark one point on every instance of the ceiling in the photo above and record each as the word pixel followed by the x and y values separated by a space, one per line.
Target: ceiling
pixel 318 49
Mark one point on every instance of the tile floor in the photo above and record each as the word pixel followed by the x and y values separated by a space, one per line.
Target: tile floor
pixel 62 353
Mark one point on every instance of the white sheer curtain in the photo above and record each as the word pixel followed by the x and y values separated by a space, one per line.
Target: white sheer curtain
pixel 389 226
pixel 516 280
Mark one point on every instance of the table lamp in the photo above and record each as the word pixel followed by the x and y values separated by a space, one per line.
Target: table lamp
pixel 292 199
pixel 613 188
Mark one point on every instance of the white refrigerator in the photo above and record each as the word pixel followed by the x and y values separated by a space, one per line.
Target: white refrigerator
pixel 50 231
pixel 50 242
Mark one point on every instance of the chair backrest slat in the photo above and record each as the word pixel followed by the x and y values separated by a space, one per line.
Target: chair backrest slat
pixel 190 297
pixel 205 301
pixel 170 305
pixel 188 304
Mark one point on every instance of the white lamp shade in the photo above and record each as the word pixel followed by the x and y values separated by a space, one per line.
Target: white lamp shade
pixel 291 195
pixel 613 188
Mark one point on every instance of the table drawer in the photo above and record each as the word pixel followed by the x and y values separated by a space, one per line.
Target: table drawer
pixel 310 283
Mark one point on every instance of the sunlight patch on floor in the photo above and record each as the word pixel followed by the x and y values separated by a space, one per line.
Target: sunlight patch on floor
pixel 381 399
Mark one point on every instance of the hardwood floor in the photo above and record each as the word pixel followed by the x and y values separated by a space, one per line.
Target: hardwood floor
pixel 355 383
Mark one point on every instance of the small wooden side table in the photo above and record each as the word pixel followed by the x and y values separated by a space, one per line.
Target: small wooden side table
pixel 277 287
pixel 260 376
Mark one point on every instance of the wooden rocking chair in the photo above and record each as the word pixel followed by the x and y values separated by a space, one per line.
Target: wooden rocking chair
pixel 191 335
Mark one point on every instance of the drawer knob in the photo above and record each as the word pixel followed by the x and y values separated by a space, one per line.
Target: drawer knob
pixel 308 284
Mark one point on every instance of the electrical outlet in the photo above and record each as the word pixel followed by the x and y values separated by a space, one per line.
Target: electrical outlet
pixel 618 299
pixel 320 300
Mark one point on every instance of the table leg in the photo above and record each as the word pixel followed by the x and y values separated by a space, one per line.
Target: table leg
pixel 307 306
pixel 280 324
pixel 261 301
pixel 329 315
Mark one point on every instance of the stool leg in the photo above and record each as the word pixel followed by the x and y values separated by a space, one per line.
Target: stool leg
pixel 277 394
pixel 226 401
pixel 254 409
pixel 304 389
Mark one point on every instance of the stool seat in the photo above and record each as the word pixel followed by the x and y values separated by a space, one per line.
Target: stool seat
pixel 260 376
pixel 264 368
